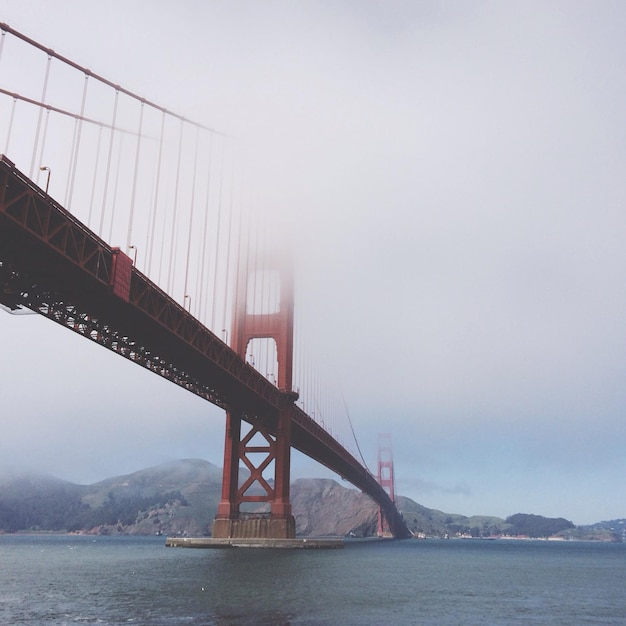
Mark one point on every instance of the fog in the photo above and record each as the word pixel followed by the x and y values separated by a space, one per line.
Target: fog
pixel 451 176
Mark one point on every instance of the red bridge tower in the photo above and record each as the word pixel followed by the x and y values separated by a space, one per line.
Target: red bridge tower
pixel 257 450
pixel 385 479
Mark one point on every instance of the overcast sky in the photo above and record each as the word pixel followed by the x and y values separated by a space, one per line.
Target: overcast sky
pixel 454 173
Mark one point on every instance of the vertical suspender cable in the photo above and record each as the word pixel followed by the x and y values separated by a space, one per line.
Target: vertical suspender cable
pixel 162 252
pixel 69 169
pixel 217 240
pixel 263 276
pixel 193 196
pixel 150 242
pixel 131 214
pixel 259 273
pixel 116 185
pixel 45 135
pixel 248 289
pixel 244 265
pixel 310 380
pixel 149 227
pixel 78 127
pixel 265 293
pixel 238 253
pixel 95 176
pixel 265 270
pixel 43 99
pixel 324 399
pixel 303 369
pixel 200 287
pixel 147 245
pixel 108 169
pixel 6 148
pixel 228 248
pixel 171 258
pixel 302 348
pixel 296 350
pixel 253 280
pixel 316 396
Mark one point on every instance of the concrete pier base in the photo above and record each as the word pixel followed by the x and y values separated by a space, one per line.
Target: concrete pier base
pixel 255 528
pixel 234 542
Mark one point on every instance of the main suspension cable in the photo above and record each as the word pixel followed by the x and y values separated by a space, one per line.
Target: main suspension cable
pixel 354 434
pixel 7 29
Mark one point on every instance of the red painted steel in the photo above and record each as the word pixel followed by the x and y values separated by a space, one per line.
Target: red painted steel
pixel 122 273
pixel 276 445
pixel 249 324
pixel 52 264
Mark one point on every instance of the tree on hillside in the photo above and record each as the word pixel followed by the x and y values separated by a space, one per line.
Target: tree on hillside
pixel 537 525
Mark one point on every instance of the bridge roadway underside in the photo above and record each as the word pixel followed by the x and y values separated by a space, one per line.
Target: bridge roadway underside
pixel 54 265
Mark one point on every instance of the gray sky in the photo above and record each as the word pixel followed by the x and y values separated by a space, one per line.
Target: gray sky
pixel 453 175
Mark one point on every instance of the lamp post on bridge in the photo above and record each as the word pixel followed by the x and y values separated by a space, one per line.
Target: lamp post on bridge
pixel 135 255
pixel 45 168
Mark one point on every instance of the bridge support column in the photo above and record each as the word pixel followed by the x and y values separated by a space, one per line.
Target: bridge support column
pixel 268 443
pixel 282 519
pixel 278 522
pixel 228 508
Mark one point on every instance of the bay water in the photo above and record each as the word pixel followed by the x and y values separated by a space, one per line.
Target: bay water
pixel 60 579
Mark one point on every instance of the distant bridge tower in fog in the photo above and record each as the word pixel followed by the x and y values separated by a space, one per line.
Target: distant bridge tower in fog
pixel 385 479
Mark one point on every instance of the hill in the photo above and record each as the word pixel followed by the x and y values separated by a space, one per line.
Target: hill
pixel 180 498
pixel 176 498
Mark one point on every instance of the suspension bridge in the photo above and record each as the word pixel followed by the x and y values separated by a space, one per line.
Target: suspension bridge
pixel 197 292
